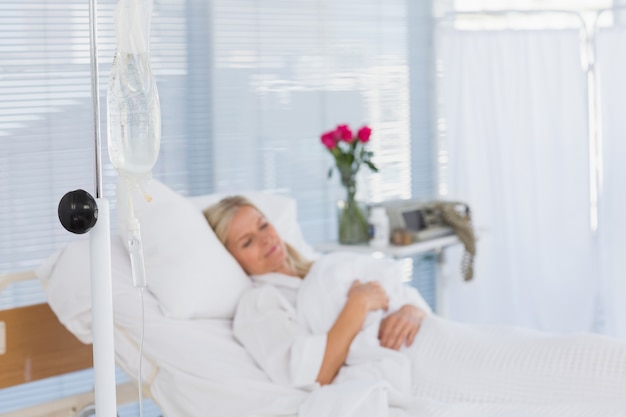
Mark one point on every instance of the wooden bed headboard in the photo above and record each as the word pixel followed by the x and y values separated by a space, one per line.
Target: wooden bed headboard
pixel 35 345
pixel 38 346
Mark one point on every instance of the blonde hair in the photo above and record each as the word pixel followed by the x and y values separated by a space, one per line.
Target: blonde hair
pixel 221 214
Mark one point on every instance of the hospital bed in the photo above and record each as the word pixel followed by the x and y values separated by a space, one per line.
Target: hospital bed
pixel 189 350
pixel 193 366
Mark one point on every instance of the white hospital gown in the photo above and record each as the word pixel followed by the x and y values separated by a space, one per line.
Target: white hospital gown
pixel 266 323
pixel 284 320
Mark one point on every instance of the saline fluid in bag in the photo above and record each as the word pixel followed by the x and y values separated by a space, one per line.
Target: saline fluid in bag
pixel 133 109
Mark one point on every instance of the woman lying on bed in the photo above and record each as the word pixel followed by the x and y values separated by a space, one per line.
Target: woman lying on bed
pixel 347 316
pixel 277 333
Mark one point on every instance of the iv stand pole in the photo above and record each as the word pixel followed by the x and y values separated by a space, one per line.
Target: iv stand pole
pixel 100 256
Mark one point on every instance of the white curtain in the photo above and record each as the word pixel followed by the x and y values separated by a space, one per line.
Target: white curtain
pixel 514 116
pixel 611 64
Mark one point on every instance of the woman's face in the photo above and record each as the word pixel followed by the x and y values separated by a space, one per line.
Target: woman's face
pixel 254 243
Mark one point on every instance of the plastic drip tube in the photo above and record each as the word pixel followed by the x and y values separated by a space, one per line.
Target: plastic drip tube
pixel 135 250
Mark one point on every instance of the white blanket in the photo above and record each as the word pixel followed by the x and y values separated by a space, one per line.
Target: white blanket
pixel 458 369
pixel 464 370
pixel 332 275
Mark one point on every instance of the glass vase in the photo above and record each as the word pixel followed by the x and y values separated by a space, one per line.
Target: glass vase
pixel 353 227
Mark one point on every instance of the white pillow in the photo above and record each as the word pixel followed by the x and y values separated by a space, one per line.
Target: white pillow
pixel 188 270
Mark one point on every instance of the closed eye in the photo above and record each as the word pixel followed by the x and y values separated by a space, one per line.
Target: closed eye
pixel 247 243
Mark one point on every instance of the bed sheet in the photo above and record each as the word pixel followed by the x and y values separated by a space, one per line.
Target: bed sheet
pixel 190 365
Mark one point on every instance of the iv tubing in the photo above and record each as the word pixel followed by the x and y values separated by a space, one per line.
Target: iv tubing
pixel 140 373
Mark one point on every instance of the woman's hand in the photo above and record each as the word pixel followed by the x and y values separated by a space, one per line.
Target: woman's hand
pixel 370 293
pixel 362 297
pixel 401 327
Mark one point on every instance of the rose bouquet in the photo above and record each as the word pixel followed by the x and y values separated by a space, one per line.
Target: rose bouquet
pixel 349 151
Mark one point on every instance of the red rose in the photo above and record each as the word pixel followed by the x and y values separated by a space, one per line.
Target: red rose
pixel 364 134
pixel 351 154
pixel 328 140
pixel 343 133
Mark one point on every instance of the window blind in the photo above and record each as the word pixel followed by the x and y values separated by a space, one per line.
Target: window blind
pixel 468 5
pixel 284 72
pixel 46 124
pixel 287 71
pixel 46 135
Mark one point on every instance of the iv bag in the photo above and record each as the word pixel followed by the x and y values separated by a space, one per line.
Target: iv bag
pixel 133 109
pixel 133 115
